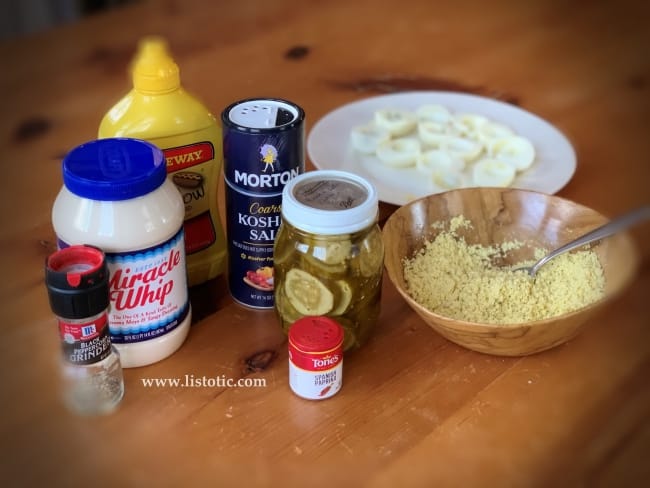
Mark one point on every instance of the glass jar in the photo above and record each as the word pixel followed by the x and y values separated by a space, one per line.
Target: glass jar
pixel 328 254
pixel 77 285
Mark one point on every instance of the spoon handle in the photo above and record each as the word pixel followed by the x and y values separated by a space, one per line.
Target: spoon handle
pixel 611 227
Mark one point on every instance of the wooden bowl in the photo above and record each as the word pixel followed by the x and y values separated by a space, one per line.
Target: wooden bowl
pixel 499 215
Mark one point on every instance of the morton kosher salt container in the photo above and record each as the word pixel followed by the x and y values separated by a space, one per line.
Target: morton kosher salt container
pixel 264 148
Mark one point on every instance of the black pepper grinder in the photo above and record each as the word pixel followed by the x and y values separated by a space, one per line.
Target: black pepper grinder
pixel 77 283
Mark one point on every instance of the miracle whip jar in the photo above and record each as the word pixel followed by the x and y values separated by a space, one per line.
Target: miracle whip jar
pixel 315 357
pixel 116 196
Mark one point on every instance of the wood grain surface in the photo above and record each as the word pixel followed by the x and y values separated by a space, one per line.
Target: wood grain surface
pixel 415 409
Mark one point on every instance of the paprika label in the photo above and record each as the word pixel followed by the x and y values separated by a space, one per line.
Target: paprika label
pixel 315 357
pixel 315 376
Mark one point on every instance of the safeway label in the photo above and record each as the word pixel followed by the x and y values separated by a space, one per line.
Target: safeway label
pixel 182 157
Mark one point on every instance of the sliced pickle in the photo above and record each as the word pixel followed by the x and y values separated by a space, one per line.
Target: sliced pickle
pixel 367 317
pixel 332 252
pixel 336 276
pixel 344 297
pixel 287 312
pixel 350 340
pixel 307 294
pixel 320 268
pixel 283 252
pixel 371 258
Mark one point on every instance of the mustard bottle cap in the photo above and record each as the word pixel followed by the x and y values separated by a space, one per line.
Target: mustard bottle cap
pixel 154 71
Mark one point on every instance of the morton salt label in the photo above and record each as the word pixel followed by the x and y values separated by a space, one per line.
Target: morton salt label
pixel 264 148
pixel 148 291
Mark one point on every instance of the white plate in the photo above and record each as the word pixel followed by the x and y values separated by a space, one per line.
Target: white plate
pixel 329 145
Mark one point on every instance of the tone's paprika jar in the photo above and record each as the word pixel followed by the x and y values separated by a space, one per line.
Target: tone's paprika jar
pixel 315 357
pixel 329 254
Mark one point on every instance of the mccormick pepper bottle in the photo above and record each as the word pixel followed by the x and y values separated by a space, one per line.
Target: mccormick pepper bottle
pixel 77 283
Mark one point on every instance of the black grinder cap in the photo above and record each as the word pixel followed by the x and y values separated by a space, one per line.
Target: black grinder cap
pixel 77 281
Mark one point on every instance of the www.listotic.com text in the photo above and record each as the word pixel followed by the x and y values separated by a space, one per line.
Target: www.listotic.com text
pixel 193 381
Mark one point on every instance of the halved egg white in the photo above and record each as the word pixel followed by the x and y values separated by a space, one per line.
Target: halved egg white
pixel 493 172
pixel 462 148
pixel 449 180
pixel 493 130
pixel 434 113
pixel 516 151
pixel 468 124
pixel 366 138
pixel 399 153
pixel 438 160
pixel 445 170
pixel 396 121
pixel 432 134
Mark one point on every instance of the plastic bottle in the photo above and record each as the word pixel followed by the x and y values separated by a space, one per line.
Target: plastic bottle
pixel 160 111
pixel 116 196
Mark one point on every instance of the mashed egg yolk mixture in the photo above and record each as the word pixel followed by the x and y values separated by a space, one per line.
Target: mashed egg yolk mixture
pixel 460 281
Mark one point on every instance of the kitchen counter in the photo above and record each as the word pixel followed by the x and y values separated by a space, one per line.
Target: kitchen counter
pixel 415 409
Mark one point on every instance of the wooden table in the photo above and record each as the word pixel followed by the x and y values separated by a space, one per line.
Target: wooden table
pixel 415 410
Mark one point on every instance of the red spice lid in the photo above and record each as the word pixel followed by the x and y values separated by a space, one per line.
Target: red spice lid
pixel 77 281
pixel 316 334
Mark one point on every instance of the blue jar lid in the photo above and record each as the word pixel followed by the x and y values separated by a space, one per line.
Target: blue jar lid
pixel 114 169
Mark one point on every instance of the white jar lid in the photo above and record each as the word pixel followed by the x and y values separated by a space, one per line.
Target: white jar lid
pixel 329 202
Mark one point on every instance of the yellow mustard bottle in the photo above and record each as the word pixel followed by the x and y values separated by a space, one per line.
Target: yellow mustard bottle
pixel 160 111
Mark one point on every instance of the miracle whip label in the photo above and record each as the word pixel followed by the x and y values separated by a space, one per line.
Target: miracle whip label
pixel 85 342
pixel 148 290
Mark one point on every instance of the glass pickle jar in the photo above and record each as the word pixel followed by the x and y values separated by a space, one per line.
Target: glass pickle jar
pixel 328 254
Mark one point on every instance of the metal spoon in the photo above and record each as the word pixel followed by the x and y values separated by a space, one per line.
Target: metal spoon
pixel 611 227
